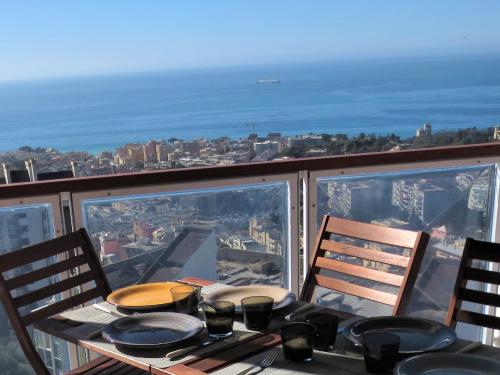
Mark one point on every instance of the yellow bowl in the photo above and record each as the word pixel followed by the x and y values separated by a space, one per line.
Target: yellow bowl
pixel 143 296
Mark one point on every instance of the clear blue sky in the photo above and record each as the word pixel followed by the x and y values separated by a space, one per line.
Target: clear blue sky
pixel 48 38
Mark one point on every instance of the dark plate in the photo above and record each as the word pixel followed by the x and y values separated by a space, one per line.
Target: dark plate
pixel 417 335
pixel 154 330
pixel 447 364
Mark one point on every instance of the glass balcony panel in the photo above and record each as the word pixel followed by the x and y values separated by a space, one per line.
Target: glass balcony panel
pixel 450 204
pixel 236 235
pixel 21 226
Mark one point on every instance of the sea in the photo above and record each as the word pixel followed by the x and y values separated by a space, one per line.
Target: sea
pixel 97 113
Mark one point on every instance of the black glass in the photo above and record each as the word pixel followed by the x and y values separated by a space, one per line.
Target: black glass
pixel 257 312
pixel 297 339
pixel 381 351
pixel 185 298
pixel 219 318
pixel 326 329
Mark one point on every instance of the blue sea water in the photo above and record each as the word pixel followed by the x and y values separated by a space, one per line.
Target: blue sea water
pixel 396 96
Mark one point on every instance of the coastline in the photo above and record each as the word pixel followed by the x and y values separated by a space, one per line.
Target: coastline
pixel 175 153
pixel 101 113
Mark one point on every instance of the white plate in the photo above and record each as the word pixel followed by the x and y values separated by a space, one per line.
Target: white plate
pixel 447 364
pixel 282 297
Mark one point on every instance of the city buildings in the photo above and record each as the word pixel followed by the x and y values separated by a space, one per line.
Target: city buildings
pixel 420 198
pixel 20 228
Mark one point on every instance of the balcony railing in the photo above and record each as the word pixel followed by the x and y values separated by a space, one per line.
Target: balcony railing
pixel 255 223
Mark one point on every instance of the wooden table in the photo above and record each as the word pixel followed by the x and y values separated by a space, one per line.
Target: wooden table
pixel 225 358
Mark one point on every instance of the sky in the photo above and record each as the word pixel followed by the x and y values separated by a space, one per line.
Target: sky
pixel 52 38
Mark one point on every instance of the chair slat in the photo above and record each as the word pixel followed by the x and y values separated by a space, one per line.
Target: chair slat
pixel 45 272
pixel 484 276
pixel 478 319
pixel 481 250
pixel 476 296
pixel 359 271
pixel 54 289
pixel 370 232
pixel 63 305
pixel 44 250
pixel 368 254
pixel 356 290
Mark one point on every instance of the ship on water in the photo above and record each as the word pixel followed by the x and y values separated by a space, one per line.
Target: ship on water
pixel 264 81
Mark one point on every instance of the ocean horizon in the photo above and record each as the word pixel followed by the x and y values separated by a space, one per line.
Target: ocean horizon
pixel 98 113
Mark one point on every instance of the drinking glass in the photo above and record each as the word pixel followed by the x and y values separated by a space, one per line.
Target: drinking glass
pixel 381 351
pixel 219 318
pixel 185 299
pixel 297 339
pixel 326 329
pixel 257 312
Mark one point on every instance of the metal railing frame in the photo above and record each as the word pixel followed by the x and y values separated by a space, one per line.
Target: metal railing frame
pixel 292 215
pixel 305 172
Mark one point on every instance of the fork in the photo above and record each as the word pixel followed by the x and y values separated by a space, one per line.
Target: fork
pixel 265 363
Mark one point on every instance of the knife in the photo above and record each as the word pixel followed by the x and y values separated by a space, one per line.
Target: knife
pixel 348 322
pixel 300 311
pixel 108 311
pixel 176 354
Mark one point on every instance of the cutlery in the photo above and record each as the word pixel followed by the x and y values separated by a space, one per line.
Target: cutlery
pixel 357 357
pixel 173 355
pixel 470 347
pixel 108 311
pixel 349 321
pixel 183 351
pixel 94 334
pixel 265 363
pixel 300 310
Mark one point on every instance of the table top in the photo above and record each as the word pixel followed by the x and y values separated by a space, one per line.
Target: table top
pixel 238 352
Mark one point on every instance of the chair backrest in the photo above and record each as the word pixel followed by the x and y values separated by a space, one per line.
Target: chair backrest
pixel 16 274
pixel 475 250
pixel 413 242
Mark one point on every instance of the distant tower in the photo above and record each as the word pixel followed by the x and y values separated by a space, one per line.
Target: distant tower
pixel 496 133
pixel 426 130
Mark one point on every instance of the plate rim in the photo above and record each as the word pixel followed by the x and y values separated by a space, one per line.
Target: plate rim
pixel 346 332
pixel 289 298
pixel 139 307
pixel 397 369
pixel 194 333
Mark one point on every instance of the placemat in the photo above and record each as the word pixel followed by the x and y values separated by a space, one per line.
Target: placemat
pixel 94 320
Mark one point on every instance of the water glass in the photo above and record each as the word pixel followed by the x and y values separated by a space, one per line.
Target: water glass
pixel 185 299
pixel 297 339
pixel 381 351
pixel 219 318
pixel 326 329
pixel 257 312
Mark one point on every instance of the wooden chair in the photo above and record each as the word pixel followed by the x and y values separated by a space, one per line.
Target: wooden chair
pixel 480 251
pixel 415 242
pixel 18 306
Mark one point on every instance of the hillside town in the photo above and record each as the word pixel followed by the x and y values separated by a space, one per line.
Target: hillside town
pixel 176 153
